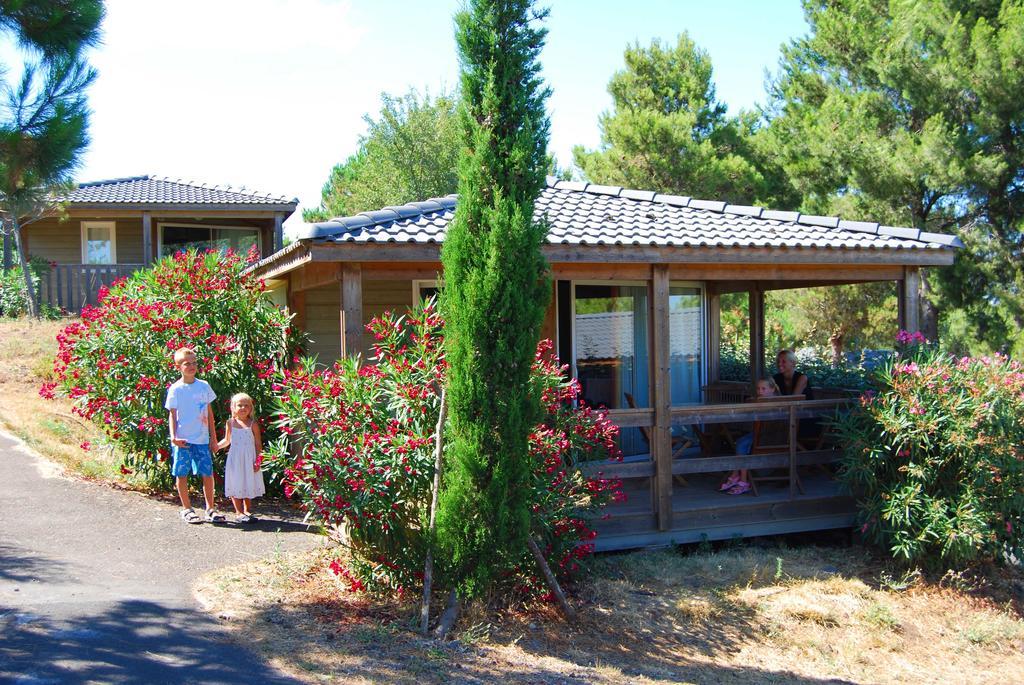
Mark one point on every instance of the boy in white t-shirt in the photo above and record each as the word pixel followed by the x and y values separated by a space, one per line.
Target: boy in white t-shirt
pixel 192 433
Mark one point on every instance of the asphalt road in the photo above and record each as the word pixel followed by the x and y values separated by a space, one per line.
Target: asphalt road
pixel 95 583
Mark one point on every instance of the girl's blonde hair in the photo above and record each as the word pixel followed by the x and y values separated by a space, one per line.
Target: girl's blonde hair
pixel 770 382
pixel 238 397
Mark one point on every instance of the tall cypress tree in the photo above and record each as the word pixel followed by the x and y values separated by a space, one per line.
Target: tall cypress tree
pixel 496 289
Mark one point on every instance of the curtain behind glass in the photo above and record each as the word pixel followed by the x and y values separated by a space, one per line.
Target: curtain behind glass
pixel 686 343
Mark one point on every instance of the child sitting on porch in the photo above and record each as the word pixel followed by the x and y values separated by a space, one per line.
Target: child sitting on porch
pixel 738 481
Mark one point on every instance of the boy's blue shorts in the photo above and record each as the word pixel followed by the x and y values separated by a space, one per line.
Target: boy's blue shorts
pixel 191 460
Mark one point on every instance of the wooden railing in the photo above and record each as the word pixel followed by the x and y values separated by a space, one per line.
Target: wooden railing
pixel 72 286
pixel 799 453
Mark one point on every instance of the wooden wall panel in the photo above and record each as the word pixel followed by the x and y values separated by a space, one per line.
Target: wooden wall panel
pixel 61 241
pixel 322 307
pixel 382 296
pixel 323 304
pixel 129 241
pixel 55 241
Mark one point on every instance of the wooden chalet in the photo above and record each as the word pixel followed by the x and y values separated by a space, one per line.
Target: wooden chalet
pixel 108 229
pixel 635 310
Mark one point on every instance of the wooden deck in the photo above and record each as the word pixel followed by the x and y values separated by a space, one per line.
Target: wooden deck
pixel 700 511
pixel 660 510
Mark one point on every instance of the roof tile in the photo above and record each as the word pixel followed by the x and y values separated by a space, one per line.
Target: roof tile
pixel 778 215
pixel 812 220
pixel 581 214
pixel 646 195
pixel 898 232
pixel 162 190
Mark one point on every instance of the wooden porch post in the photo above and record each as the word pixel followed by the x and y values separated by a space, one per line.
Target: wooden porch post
pixel 756 309
pixel 909 299
pixel 278 230
pixel 351 309
pixel 661 433
pixel 714 333
pixel 297 307
pixel 147 239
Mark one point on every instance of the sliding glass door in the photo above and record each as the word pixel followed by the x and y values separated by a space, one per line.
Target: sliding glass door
pixel 611 350
pixel 605 329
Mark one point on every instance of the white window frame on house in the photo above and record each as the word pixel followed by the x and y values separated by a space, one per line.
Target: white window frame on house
pixel 174 224
pixel 419 284
pixel 110 226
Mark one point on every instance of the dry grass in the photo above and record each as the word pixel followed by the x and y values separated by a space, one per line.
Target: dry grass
pixel 27 349
pixel 744 615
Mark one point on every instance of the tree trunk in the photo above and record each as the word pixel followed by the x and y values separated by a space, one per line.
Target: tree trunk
pixel 549 577
pixel 428 570
pixel 8 258
pixel 451 613
pixel 836 340
pixel 33 306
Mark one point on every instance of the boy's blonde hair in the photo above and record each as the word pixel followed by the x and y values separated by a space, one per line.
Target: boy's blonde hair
pixel 239 396
pixel 181 353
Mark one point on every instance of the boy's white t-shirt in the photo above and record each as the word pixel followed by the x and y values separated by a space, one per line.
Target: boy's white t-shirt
pixel 191 401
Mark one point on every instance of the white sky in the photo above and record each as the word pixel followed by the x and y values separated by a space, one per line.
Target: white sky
pixel 270 94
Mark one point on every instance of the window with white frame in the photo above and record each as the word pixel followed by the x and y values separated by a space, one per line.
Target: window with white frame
pixel 422 289
pixel 179 237
pixel 99 242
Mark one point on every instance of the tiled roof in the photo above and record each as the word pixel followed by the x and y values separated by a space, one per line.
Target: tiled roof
pixel 589 214
pixel 144 190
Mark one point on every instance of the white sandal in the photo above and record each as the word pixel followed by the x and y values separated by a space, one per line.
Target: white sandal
pixel 214 516
pixel 190 516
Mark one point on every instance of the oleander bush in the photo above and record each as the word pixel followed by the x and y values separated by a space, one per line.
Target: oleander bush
pixel 936 457
pixel 117 362
pixel 361 457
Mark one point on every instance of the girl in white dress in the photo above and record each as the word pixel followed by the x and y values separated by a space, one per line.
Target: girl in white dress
pixel 243 479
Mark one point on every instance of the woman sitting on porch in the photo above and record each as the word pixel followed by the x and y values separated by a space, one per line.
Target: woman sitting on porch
pixel 789 380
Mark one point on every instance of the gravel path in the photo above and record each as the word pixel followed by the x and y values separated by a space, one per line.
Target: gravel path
pixel 95 582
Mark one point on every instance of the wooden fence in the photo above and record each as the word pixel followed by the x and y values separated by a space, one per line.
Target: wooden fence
pixel 710 414
pixel 72 286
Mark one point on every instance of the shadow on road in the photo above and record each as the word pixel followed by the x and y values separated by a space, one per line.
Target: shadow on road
pixel 20 565
pixel 130 641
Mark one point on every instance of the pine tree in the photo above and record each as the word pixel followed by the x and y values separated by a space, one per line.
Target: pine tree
pixel 668 132
pixel 911 113
pixel 496 289
pixel 44 117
